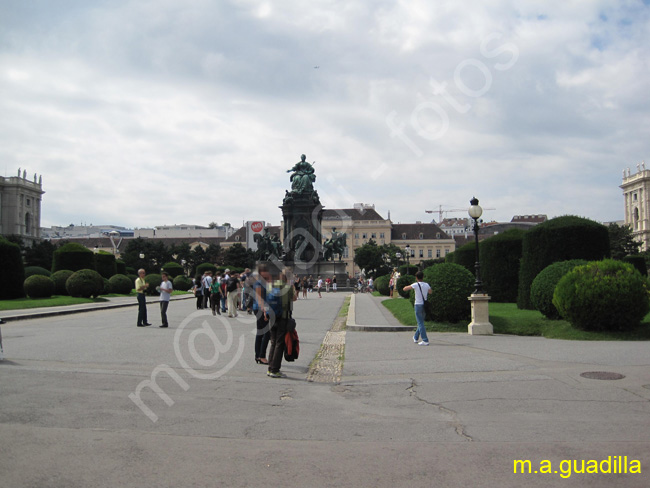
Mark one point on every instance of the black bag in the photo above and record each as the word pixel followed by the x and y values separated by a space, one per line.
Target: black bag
pixel 428 312
pixel 232 284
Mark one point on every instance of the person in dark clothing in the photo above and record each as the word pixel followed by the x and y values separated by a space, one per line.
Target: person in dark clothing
pixel 260 308
pixel 279 328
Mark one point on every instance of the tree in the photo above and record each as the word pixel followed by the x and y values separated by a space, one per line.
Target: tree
pixel 239 257
pixel 213 225
pixel 621 241
pixel 155 254
pixel 40 254
pixel 369 257
pixel 181 251
pixel 213 252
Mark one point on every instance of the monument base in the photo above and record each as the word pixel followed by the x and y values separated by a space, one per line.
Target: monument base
pixel 324 269
pixel 480 324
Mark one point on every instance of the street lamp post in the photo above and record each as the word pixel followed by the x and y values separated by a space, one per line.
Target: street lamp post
pixel 408 259
pixel 398 255
pixel 475 211
pixel 480 324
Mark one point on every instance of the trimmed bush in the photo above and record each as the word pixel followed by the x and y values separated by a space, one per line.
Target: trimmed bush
pixel 154 280
pixel 74 257
pixel 131 271
pixel 173 269
pixel 451 285
pixel 203 267
pixel 182 283
pixel 465 256
pixel 381 285
pixel 132 277
pixel 403 281
pixel 603 295
pixel 121 284
pixel 13 272
pixel 39 286
pixel 638 262
pixel 500 256
pixel 408 270
pixel 36 270
pixel 558 239
pixel 543 287
pixel 106 289
pixel 105 264
pixel 60 278
pixel 120 266
pixel 85 283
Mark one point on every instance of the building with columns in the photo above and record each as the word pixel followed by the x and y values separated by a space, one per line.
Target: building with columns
pixel 637 203
pixel 20 206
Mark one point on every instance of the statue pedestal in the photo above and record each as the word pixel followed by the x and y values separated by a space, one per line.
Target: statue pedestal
pixel 324 269
pixel 480 324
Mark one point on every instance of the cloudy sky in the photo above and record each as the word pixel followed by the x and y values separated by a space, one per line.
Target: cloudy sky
pixel 143 113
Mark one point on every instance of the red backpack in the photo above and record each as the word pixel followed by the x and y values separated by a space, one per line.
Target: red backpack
pixel 292 346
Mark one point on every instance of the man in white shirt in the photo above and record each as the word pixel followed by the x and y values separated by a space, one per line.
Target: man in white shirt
pixel 319 286
pixel 207 281
pixel 166 289
pixel 422 290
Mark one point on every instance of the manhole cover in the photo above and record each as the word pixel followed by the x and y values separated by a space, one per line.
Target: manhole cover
pixel 602 375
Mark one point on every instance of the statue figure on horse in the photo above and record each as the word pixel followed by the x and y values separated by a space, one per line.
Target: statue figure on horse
pixel 334 245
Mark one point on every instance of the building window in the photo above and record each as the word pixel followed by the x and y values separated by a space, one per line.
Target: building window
pixel 364 236
pixel 421 253
pixel 29 202
pixel 403 235
pixel 634 197
pixel 28 224
pixel 237 238
pixel 446 251
pixel 421 236
pixel 381 235
pixel 438 253
pixel 429 253
pixel 437 235
pixel 356 236
pixel 412 253
pixel 346 252
pixel 373 235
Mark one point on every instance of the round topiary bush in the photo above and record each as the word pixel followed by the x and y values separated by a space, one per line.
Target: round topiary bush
pixel 182 283
pixel 381 285
pixel 39 286
pixel 106 289
pixel 74 257
pixel 121 284
pixel 403 281
pixel 603 295
pixel 500 256
pixel 173 269
pixel 60 278
pixel 408 270
pixel 154 280
pixel 203 267
pixel 558 239
pixel 451 285
pixel 105 264
pixel 132 277
pixel 120 266
pixel 85 283
pixel 13 272
pixel 36 270
pixel 543 287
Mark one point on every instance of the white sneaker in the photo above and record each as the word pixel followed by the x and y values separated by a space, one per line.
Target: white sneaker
pixel 423 343
pixel 415 340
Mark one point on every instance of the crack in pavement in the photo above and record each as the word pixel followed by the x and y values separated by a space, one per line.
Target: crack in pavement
pixel 454 422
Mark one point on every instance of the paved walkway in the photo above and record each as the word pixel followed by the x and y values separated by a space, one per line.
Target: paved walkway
pixel 367 314
pixel 456 413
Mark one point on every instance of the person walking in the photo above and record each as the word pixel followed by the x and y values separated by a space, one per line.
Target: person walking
pixel 140 287
pixel 198 292
pixel 215 296
pixel 288 295
pixel 334 283
pixel 303 287
pixel 206 281
pixel 260 308
pixel 319 285
pixel 223 283
pixel 166 289
pixel 422 290
pixel 232 287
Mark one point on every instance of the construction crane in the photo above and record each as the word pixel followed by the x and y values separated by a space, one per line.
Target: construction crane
pixel 440 211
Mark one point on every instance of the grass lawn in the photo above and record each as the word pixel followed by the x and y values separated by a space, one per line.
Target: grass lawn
pixel 508 319
pixel 61 300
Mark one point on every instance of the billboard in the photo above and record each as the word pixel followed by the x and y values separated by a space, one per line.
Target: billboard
pixel 253 227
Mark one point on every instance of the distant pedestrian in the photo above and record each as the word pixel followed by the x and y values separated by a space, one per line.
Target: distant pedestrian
pixel 303 286
pixel 422 290
pixel 215 296
pixel 223 283
pixel 206 281
pixel 370 284
pixel 260 308
pixel 391 287
pixel 166 289
pixel 140 288
pixel 198 291
pixel 334 283
pixel 328 282
pixel 232 287
pixel 279 328
pixel 319 285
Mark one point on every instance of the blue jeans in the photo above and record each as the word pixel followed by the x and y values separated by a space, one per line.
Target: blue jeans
pixel 421 332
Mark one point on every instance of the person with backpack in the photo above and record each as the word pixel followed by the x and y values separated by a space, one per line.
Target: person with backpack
pixel 232 287
pixel 281 303
pixel 422 290
pixel 198 291
pixel 260 308
pixel 215 296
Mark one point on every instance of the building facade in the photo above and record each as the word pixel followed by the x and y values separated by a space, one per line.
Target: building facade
pixel 20 206
pixel 637 203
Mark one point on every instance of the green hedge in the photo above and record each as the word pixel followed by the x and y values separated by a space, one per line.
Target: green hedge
pixel 543 287
pixel 173 269
pixel 403 281
pixel 154 280
pixel 39 286
pixel 381 285
pixel 105 264
pixel 603 295
pixel 558 239
pixel 638 261
pixel 120 266
pixel 36 270
pixel 465 256
pixel 74 257
pixel 408 270
pixel 13 272
pixel 85 283
pixel 120 284
pixel 500 256
pixel 203 267
pixel 182 283
pixel 451 285
pixel 60 278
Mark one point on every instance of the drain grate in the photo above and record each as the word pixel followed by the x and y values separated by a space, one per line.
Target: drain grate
pixel 602 375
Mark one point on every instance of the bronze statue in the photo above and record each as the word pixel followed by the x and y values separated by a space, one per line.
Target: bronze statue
pixel 334 245
pixel 303 177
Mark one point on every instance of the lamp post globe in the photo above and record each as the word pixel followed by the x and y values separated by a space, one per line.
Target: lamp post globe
pixel 475 211
pixel 408 259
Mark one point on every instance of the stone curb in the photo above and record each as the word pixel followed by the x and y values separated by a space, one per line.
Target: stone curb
pixel 64 311
pixel 352 322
